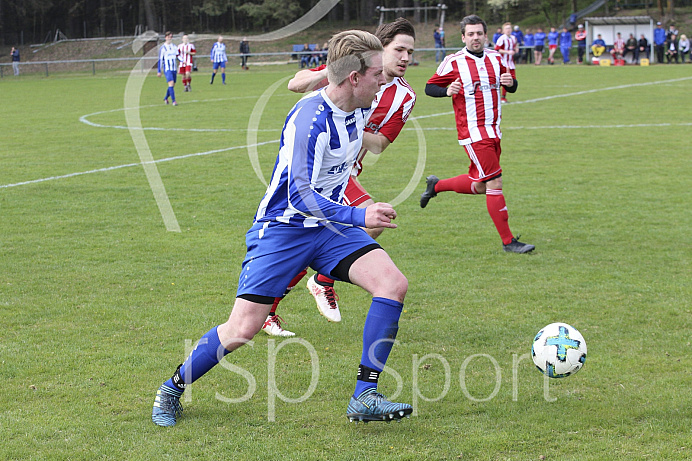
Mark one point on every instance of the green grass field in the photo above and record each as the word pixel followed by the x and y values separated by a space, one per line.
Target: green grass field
pixel 99 302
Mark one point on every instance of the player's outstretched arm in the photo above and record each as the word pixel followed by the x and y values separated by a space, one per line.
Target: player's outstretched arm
pixel 375 142
pixel 307 80
pixel 380 215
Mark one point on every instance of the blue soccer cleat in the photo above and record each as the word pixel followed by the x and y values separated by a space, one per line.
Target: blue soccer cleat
pixel 167 406
pixel 373 406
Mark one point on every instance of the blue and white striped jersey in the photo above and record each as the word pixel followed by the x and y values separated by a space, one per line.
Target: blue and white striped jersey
pixel 168 58
pixel 318 147
pixel 218 52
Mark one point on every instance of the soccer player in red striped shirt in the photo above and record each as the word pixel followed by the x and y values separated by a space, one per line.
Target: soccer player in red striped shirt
pixel 507 46
pixel 388 114
pixel 186 51
pixel 473 77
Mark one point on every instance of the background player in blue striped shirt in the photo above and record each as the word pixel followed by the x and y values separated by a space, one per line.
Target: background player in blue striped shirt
pixel 301 221
pixel 218 59
pixel 168 65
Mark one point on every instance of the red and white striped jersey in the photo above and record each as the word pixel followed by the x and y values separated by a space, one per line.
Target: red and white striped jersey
pixel 477 107
pixel 507 43
pixel 185 53
pixel 388 113
pixel 619 45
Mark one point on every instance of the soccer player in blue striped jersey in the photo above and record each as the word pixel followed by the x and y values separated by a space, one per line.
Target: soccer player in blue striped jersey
pixel 218 59
pixel 168 65
pixel 301 222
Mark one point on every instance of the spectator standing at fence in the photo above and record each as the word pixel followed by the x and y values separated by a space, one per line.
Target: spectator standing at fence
pixel 528 46
pixel 519 35
pixel 580 37
pixel 168 66
pixel 15 60
pixel 642 48
pixel 507 46
pixel 219 59
pixel 659 42
pixel 497 35
pixel 553 37
pixel 325 52
pixel 565 44
pixel 539 43
pixel 672 31
pixel 244 50
pixel 439 36
pixel 684 45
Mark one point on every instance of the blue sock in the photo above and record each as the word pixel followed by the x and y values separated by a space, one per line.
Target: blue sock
pixel 382 323
pixel 212 78
pixel 202 359
pixel 223 77
pixel 168 92
pixel 170 88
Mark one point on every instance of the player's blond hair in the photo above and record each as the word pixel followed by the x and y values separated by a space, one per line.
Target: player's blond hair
pixel 349 51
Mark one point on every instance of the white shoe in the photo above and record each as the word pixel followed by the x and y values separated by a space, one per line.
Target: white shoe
pixel 272 327
pixel 326 299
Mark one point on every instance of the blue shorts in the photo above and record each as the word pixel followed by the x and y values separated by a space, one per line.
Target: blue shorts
pixel 170 75
pixel 221 64
pixel 276 252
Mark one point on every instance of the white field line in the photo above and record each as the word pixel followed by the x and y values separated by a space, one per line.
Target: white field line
pixel 200 154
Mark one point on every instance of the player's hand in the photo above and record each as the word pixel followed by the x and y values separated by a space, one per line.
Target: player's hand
pixel 158 74
pixel 454 88
pixel 506 79
pixel 380 215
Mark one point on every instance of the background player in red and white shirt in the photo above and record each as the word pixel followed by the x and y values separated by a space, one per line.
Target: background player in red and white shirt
pixel 473 77
pixel 186 51
pixel 388 114
pixel 507 46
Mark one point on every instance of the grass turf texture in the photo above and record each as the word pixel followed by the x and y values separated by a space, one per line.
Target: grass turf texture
pixel 97 300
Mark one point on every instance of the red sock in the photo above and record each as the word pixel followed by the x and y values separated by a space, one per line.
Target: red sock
pixel 324 281
pixel 296 280
pixel 272 313
pixel 461 185
pixel 290 286
pixel 498 212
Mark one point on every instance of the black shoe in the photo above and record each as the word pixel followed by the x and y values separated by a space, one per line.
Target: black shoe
pixel 429 190
pixel 515 246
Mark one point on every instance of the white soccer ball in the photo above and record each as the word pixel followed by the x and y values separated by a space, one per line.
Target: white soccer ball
pixel 559 350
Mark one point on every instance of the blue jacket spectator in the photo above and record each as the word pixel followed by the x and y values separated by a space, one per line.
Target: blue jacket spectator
pixel 497 35
pixel 565 44
pixel 659 42
pixel 519 35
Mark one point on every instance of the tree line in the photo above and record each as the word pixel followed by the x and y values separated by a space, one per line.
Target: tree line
pixel 38 21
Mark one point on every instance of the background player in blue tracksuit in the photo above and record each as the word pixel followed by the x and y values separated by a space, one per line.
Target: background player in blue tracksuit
pixel 565 44
pixel 553 37
pixel 519 35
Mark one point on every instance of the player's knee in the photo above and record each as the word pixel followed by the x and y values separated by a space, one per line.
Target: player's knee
pixel 495 183
pixel 401 286
pixel 396 285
